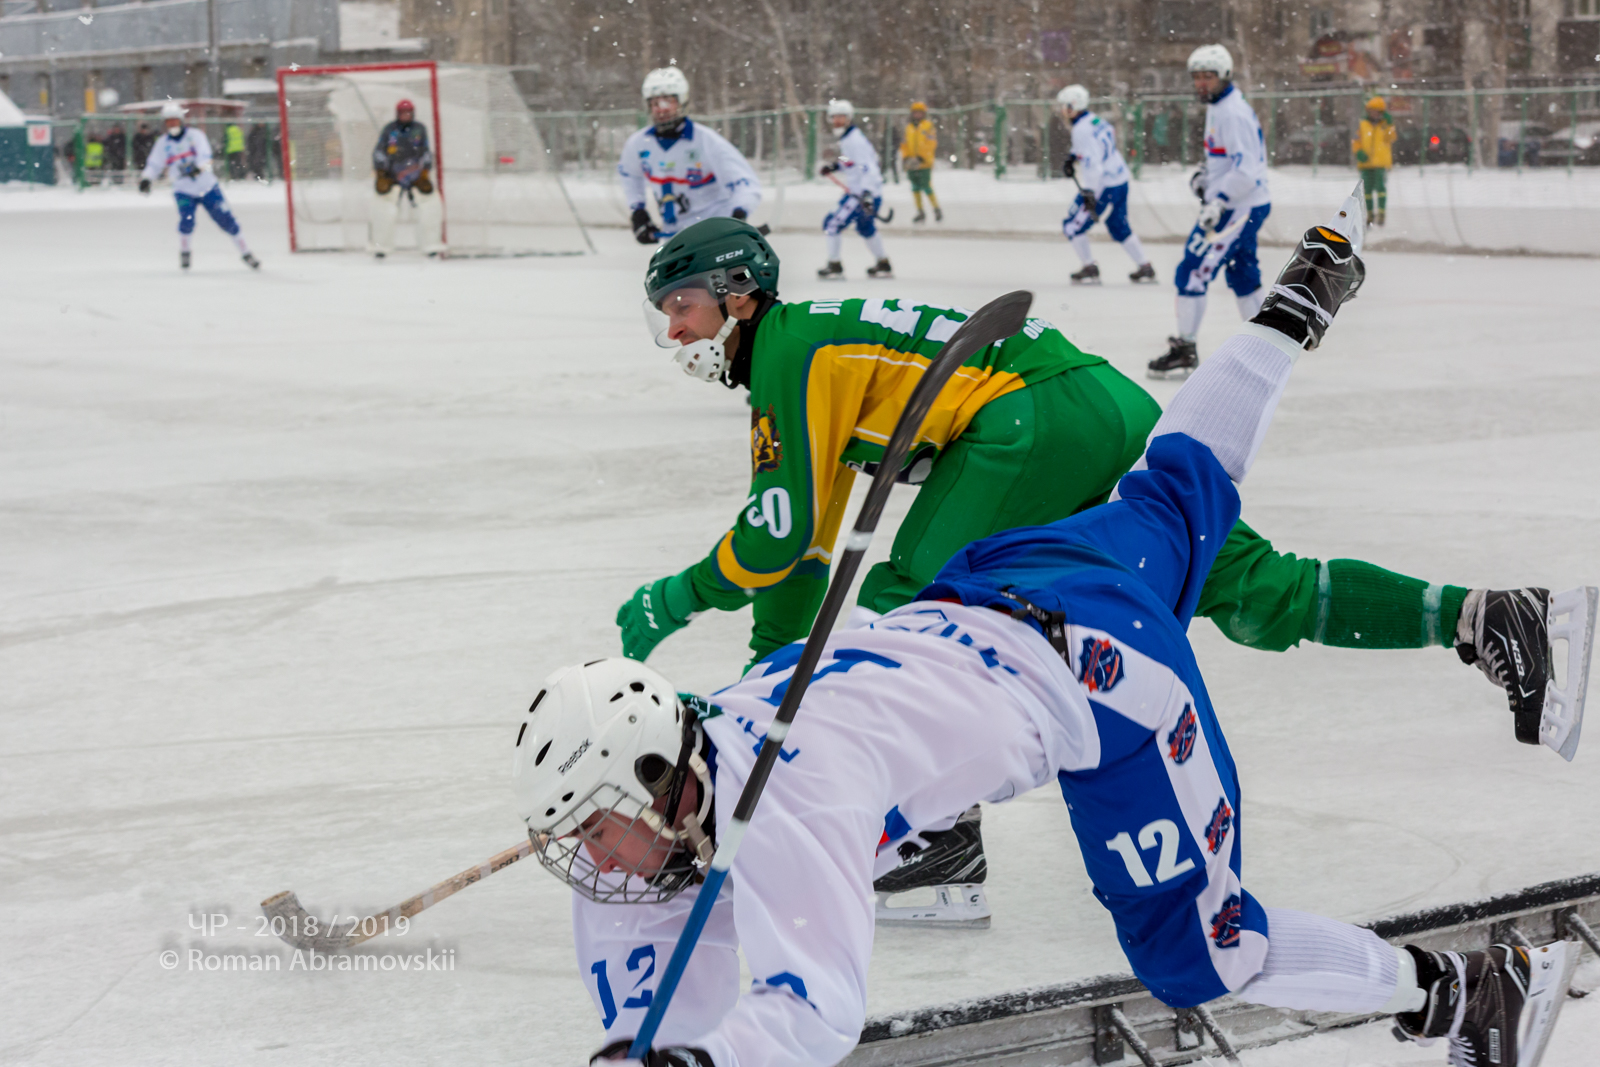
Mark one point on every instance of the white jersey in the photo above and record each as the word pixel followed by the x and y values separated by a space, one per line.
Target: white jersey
pixel 875 735
pixel 858 164
pixel 697 175
pixel 1236 153
pixel 1094 146
pixel 189 149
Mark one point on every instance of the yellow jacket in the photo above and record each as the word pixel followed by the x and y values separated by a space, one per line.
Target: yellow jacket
pixel 1374 139
pixel 920 143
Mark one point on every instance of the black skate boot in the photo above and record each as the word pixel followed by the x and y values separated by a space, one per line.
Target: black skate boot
pixel 834 271
pixel 1179 362
pixel 952 864
pixel 1145 273
pixel 1506 633
pixel 183 260
pixel 938 213
pixel 1089 275
pixel 921 216
pixel 880 269
pixel 1483 1003
pixel 1324 272
pixel 251 261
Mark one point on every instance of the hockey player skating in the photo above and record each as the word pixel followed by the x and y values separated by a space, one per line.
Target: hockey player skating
pixel 918 149
pixel 402 169
pixel 1033 431
pixel 690 172
pixel 186 152
pixel 1373 149
pixel 1102 175
pixel 856 172
pixel 1048 654
pixel 1235 202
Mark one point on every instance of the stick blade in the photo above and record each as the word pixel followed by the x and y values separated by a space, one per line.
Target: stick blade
pixel 290 921
pixel 995 321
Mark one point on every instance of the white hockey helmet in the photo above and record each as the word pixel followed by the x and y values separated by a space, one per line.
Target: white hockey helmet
pixel 666 81
pixel 1212 57
pixel 1074 98
pixel 841 107
pixel 172 110
pixel 594 761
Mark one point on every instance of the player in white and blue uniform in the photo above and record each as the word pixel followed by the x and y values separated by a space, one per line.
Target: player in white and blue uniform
pixel 1049 654
pixel 857 172
pixel 1233 187
pixel 689 172
pixel 1102 175
pixel 186 152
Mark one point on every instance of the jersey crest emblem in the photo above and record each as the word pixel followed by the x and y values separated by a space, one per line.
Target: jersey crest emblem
pixel 766 448
pixel 1100 665
pixel 1221 823
pixel 1180 742
pixel 1225 923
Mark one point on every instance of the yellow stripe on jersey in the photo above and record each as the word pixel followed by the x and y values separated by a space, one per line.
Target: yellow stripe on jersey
pixel 736 572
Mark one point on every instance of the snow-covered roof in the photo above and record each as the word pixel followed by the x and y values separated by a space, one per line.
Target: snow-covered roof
pixel 10 114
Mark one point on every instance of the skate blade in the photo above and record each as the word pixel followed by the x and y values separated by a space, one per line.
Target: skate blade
pixel 1169 375
pixel 1351 219
pixel 1549 978
pixel 1562 720
pixel 1086 281
pixel 954 906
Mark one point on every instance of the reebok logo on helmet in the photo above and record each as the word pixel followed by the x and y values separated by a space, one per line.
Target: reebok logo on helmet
pixel 567 766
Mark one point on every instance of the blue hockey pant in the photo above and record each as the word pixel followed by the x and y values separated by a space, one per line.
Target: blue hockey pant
pixel 215 206
pixel 1204 254
pixel 1113 208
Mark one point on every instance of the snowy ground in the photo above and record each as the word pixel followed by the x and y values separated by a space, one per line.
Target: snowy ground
pixel 286 555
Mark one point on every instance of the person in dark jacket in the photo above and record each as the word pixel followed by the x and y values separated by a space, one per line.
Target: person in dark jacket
pixel 402 166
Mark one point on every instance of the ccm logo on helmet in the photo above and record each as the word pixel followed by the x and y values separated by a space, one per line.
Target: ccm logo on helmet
pixel 735 254
pixel 567 766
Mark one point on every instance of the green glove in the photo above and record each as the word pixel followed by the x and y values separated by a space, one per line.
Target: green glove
pixel 655 610
pixel 1387 120
pixel 1361 155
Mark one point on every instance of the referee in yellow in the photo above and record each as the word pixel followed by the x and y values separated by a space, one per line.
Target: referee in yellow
pixel 916 154
pixel 1374 157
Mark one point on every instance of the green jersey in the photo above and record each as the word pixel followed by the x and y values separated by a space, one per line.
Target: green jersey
pixel 828 381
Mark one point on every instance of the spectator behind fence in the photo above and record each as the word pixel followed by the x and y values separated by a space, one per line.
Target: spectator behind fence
pixel 116 148
pixel 1374 158
pixel 233 148
pixel 143 138
pixel 917 151
pixel 255 152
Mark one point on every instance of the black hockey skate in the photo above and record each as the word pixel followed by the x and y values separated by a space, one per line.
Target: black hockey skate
pixel 1323 273
pixel 834 271
pixel 921 216
pixel 1145 273
pixel 938 214
pixel 949 862
pixel 1089 275
pixel 1496 1007
pixel 880 269
pixel 183 260
pixel 1179 362
pixel 251 261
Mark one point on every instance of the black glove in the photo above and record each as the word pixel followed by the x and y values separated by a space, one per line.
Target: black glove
pixel 1069 167
pixel 827 169
pixel 1091 204
pixel 644 231
pixel 144 185
pixel 1197 183
pixel 189 170
pixel 656 1057
pixel 740 213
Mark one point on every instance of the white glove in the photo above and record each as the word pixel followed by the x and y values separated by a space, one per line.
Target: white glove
pixel 1210 214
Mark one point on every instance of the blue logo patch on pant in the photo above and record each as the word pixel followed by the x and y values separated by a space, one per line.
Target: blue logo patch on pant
pixel 1101 666
pixel 1225 923
pixel 1180 742
pixel 1221 823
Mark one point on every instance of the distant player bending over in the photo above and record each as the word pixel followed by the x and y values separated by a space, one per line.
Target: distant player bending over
pixel 186 152
pixel 1235 202
pixel 1048 654
pixel 856 171
pixel 690 172
pixel 402 169
pixel 1094 162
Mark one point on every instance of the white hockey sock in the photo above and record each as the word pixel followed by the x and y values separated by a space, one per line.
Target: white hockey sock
pixel 1318 964
pixel 1227 404
pixel 1080 245
pixel 875 246
pixel 238 242
pixel 1135 250
pixel 1250 303
pixel 1191 309
pixel 185 241
pixel 835 243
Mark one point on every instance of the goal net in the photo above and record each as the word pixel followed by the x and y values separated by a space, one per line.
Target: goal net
pixel 500 190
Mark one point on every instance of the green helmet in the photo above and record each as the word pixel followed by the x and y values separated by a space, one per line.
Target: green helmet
pixel 723 256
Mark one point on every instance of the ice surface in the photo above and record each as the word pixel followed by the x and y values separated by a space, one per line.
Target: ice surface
pixel 286 555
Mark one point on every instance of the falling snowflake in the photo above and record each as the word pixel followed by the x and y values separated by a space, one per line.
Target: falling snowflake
pixel 86 19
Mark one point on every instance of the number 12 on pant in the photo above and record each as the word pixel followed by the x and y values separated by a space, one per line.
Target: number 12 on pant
pixel 1166 869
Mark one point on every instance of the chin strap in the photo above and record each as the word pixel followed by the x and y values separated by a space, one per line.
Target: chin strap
pixel 706 359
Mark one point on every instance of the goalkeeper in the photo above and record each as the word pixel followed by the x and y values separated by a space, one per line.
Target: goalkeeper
pixel 402 169
pixel 1027 432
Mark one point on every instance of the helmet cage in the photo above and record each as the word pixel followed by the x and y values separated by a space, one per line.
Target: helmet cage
pixel 569 849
